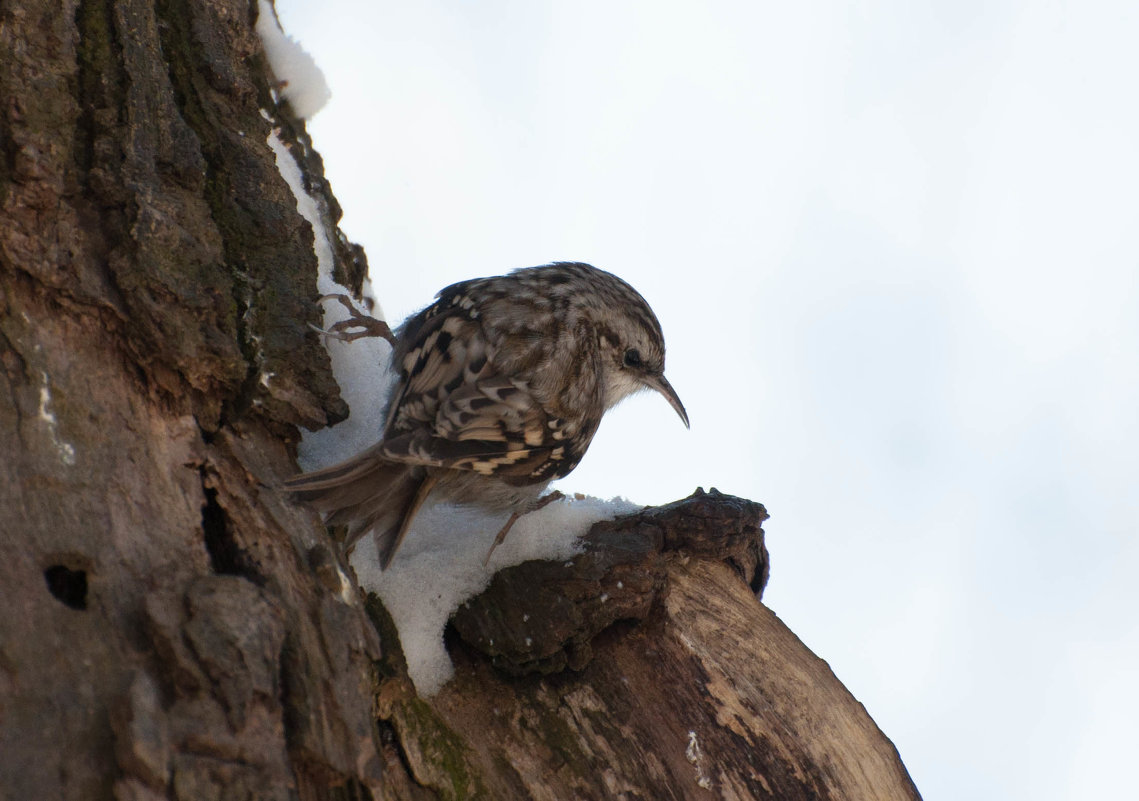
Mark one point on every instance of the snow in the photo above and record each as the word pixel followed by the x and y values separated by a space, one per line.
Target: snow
pixel 300 81
pixel 696 757
pixel 65 449
pixel 360 367
pixel 440 565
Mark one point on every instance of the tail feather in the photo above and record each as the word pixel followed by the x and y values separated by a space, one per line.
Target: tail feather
pixel 366 493
pixel 315 481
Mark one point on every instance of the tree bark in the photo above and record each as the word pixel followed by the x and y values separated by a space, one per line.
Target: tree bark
pixel 163 635
pixel 173 627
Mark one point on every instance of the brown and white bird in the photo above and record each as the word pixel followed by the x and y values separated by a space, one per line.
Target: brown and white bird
pixel 502 384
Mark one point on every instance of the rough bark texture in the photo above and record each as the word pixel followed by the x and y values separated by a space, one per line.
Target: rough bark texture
pixel 171 627
pixel 160 635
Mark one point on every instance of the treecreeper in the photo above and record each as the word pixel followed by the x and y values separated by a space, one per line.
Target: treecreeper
pixel 503 382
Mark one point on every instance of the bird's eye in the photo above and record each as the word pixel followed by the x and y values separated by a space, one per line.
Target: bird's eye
pixel 633 358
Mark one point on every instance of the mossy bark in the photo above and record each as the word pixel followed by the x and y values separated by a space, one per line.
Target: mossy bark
pixel 160 635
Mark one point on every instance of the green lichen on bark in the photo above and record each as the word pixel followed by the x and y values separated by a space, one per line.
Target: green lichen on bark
pixel 435 755
pixel 443 765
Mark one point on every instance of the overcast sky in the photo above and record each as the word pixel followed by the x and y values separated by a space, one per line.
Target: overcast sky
pixel 893 249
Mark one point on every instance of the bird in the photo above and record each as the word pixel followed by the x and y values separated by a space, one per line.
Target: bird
pixel 503 382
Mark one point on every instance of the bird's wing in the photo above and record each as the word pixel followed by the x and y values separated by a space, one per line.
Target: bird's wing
pixel 492 427
pixel 455 409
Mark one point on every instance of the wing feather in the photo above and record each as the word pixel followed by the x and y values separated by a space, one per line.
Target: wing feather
pixel 456 409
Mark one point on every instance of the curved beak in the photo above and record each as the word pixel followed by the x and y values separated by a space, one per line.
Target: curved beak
pixel 661 385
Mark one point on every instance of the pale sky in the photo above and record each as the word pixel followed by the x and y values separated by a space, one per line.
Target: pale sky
pixel 893 249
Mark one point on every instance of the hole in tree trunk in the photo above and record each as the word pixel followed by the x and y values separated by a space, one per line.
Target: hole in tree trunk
pixel 226 556
pixel 69 586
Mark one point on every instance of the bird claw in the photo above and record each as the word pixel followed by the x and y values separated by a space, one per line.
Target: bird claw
pixel 545 500
pixel 367 325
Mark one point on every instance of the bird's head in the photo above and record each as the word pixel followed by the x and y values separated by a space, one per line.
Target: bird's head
pixel 634 360
pixel 632 345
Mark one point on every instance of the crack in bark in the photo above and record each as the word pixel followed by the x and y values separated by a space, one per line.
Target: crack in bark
pixel 390 736
pixel 227 558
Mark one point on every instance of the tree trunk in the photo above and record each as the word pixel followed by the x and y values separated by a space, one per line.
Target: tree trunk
pixel 172 626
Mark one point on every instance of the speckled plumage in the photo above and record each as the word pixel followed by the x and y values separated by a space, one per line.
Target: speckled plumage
pixel 503 383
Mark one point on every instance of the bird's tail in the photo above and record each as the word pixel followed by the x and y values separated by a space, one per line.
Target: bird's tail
pixel 366 493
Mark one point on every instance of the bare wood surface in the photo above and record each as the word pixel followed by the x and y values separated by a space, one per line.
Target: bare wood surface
pixel 686 687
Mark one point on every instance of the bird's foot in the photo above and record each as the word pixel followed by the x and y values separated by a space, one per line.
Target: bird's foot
pixel 365 325
pixel 545 500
